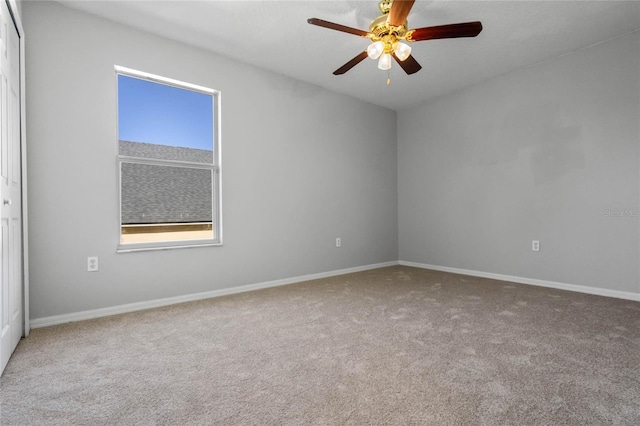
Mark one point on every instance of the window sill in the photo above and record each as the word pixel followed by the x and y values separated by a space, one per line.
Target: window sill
pixel 136 248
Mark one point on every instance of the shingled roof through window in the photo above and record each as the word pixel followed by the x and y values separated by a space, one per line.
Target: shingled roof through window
pixel 153 194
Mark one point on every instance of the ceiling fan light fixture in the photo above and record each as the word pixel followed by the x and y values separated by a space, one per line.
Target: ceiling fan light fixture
pixel 388 30
pixel 375 50
pixel 402 50
pixel 384 63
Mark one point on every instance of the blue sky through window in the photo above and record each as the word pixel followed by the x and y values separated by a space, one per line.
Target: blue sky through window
pixel 165 115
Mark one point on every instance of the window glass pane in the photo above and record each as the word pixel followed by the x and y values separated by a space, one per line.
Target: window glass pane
pixel 174 203
pixel 164 122
pixel 168 158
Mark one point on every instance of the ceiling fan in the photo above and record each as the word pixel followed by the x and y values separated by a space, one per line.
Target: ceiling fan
pixel 389 30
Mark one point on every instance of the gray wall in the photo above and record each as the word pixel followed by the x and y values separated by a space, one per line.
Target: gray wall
pixel 301 166
pixel 541 153
pixel 548 153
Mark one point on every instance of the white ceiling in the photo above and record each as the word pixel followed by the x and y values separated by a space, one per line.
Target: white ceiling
pixel 274 35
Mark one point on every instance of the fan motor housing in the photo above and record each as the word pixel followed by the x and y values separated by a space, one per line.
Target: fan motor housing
pixel 380 28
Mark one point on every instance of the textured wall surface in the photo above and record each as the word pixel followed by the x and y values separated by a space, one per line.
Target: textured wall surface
pixel 547 153
pixel 300 167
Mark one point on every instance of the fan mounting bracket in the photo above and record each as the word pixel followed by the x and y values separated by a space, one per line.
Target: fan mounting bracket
pixel 385 6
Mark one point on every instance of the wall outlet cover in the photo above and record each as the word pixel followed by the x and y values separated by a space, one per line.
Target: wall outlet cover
pixel 92 264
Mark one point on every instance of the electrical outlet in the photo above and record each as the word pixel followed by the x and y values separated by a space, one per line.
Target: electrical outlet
pixel 535 245
pixel 92 264
pixel 338 242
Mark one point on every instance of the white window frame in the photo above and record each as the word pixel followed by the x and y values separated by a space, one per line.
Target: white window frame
pixel 215 167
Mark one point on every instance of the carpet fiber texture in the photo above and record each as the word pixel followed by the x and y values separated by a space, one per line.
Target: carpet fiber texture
pixel 396 345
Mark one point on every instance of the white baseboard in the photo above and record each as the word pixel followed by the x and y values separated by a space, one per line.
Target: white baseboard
pixel 139 306
pixel 531 281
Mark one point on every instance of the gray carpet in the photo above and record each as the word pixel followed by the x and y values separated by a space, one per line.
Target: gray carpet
pixel 395 345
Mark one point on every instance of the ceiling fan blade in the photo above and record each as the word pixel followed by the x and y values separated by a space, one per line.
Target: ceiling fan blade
pixel 399 11
pixel 466 29
pixel 409 65
pixel 352 63
pixel 337 27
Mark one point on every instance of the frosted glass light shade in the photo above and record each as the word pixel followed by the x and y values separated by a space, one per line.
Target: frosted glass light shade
pixel 384 63
pixel 402 50
pixel 375 49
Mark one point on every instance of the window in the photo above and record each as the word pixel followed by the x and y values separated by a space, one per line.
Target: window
pixel 168 162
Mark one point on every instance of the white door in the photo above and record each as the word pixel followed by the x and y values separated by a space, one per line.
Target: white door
pixel 10 189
